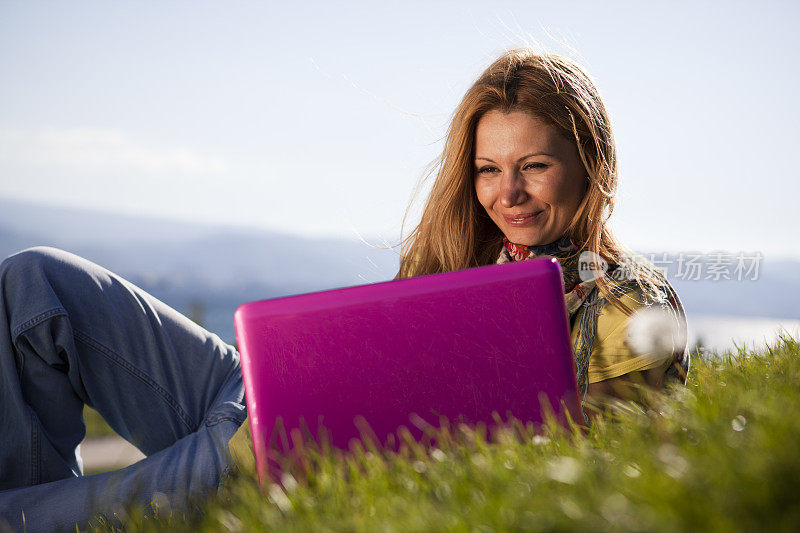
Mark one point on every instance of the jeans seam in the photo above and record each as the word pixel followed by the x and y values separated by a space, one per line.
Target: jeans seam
pixel 135 372
pixel 215 421
pixel 35 320
pixel 112 356
pixel 36 452
pixel 223 478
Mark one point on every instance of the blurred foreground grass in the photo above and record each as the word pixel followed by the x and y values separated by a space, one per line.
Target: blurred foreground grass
pixel 719 454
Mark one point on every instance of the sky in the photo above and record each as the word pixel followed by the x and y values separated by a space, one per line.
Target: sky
pixel 320 118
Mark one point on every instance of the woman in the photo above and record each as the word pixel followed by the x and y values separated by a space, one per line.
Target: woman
pixel 528 169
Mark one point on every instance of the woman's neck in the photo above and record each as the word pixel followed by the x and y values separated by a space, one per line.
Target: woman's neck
pixel 517 250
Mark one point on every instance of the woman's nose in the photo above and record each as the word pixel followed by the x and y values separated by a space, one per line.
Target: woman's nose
pixel 512 191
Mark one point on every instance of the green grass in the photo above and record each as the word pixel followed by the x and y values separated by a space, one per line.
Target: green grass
pixel 719 454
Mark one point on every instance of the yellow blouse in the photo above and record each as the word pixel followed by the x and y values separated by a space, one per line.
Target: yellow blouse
pixel 612 355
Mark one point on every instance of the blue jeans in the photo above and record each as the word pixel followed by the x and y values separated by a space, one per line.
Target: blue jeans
pixel 74 333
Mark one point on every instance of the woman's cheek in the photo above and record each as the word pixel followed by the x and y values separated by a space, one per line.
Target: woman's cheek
pixel 483 191
pixel 557 192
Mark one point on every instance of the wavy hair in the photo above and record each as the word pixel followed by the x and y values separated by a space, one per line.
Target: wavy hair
pixel 455 231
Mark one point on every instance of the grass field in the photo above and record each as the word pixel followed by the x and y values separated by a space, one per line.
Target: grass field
pixel 720 454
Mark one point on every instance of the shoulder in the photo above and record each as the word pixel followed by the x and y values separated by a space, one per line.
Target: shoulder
pixel 612 320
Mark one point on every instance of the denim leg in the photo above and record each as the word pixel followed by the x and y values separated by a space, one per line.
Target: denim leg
pixel 72 332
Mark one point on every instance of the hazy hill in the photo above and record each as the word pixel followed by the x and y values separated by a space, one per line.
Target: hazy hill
pixel 190 264
pixel 154 248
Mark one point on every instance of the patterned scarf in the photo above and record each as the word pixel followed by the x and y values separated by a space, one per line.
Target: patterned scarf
pixel 579 293
pixel 564 251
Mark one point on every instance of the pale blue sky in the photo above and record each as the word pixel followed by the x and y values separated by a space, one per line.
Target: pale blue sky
pixel 320 119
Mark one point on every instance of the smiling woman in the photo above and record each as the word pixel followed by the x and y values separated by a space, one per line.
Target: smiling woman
pixel 529 170
pixel 528 179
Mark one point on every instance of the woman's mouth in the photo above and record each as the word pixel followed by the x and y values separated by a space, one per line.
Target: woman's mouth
pixel 522 219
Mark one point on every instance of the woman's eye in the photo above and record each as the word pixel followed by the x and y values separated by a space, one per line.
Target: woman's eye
pixel 489 169
pixel 535 165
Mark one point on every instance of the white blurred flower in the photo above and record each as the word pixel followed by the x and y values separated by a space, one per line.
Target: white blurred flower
pixel 279 498
pixel 653 331
pixel 675 464
pixel 229 521
pixel 564 469
pixel 438 454
pixel 288 481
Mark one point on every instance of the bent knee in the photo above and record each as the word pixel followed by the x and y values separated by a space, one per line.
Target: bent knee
pixel 30 258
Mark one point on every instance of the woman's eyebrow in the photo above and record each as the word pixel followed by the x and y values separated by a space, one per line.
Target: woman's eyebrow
pixel 520 159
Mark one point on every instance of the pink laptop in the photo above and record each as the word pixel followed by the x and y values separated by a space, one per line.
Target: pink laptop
pixel 460 344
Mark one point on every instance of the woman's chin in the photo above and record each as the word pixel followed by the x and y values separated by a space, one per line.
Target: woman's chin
pixel 524 238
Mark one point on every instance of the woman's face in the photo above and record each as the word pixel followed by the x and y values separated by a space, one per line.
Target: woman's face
pixel 529 178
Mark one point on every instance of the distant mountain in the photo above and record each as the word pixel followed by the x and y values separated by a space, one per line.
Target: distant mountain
pixel 190 265
pixel 208 271
pixel 184 253
pixel 769 289
pixel 70 226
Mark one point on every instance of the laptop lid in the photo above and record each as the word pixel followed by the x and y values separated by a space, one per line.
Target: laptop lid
pixel 459 344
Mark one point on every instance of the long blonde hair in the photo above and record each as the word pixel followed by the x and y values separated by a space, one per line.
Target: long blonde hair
pixel 455 232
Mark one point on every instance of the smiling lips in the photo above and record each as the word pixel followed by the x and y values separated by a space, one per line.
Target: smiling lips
pixel 522 219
